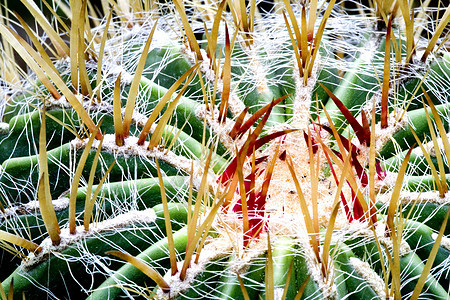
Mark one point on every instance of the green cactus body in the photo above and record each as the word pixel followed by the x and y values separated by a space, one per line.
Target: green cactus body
pixel 288 127
pixel 131 239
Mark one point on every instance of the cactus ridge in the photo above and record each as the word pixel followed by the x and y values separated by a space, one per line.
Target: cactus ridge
pixel 299 153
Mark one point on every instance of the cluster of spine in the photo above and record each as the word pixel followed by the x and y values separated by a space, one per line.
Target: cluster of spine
pixel 165 154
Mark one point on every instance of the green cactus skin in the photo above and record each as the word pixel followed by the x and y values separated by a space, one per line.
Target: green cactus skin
pixel 130 239
pixel 229 288
pixel 263 68
pixel 423 241
pixel 26 167
pixel 146 191
pixel 419 122
pixel 283 257
pixel 348 90
pixel 128 273
pixel 352 281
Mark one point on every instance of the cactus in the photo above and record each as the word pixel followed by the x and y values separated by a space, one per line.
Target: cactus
pixel 216 150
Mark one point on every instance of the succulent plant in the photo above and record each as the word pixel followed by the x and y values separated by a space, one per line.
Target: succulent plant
pixel 221 150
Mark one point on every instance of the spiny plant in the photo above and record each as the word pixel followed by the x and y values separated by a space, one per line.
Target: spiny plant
pixel 220 150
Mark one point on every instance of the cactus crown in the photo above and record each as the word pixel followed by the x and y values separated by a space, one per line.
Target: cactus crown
pixel 225 151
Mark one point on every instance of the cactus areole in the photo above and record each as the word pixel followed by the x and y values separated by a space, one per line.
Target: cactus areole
pixel 225 150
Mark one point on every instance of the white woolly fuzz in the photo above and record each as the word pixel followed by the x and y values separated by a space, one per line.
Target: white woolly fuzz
pixel 445 241
pixel 303 94
pixel 385 184
pixel 220 129
pixel 67 239
pixel 278 293
pixel 408 197
pixel 429 147
pixel 4 128
pixel 60 103
pixel 260 73
pixel 384 135
pixel 178 286
pixel 205 66
pixel 32 207
pixel 131 148
pixel 370 276
pixel 125 77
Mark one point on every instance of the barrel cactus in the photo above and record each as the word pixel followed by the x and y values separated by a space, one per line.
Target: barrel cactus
pixel 226 150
